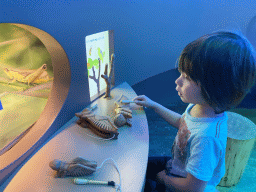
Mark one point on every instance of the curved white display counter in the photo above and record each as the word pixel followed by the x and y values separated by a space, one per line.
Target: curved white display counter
pixel 130 151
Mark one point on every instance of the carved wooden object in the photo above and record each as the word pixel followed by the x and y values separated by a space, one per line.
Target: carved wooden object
pixel 100 125
pixel 108 79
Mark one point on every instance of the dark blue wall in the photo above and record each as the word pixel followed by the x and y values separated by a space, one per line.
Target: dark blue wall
pixel 149 35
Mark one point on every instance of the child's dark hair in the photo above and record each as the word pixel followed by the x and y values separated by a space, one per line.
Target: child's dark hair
pixel 224 65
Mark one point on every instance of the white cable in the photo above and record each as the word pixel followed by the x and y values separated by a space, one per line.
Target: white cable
pixel 100 138
pixel 82 181
pixel 118 186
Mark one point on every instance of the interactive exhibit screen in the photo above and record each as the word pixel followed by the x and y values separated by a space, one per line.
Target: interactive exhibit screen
pixel 99 48
pixel 26 77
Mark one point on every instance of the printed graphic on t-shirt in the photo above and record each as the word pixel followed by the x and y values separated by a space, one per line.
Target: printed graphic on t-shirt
pixel 179 151
pixel 181 141
pixel 183 135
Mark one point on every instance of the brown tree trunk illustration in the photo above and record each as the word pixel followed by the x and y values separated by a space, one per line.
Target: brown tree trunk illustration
pixel 108 78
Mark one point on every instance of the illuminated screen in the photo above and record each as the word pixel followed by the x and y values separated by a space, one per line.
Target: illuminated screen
pixel 99 48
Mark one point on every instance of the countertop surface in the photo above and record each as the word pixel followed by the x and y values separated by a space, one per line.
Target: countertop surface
pixel 129 151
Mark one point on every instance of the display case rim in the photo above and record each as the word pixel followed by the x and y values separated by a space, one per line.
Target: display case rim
pixel 43 127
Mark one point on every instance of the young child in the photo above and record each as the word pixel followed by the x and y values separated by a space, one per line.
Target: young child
pixel 217 71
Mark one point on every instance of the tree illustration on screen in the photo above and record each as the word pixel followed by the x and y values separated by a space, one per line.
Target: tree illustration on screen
pixel 96 63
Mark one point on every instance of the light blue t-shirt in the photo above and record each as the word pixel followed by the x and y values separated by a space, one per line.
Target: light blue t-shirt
pixel 199 148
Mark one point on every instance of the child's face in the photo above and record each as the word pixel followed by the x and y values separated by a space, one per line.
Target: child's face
pixel 188 90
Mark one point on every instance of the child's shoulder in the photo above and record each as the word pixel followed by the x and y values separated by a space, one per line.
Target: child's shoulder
pixel 192 111
pixel 217 128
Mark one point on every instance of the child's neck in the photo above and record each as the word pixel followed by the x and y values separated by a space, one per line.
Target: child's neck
pixel 202 111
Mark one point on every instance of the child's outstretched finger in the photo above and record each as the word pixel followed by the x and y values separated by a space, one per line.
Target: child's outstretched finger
pixel 140 97
pixel 138 102
pixel 144 101
pixel 135 98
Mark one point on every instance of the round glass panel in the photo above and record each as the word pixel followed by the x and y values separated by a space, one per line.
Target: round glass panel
pixel 26 77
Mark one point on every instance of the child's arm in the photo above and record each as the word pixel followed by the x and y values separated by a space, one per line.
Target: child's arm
pixel 190 183
pixel 168 115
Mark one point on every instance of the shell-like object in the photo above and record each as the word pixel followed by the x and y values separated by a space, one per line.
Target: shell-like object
pixel 129 122
pixel 119 120
pixel 123 112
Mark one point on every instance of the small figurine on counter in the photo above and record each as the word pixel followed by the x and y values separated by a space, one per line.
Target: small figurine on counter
pixel 76 168
pixel 123 113
pixel 100 125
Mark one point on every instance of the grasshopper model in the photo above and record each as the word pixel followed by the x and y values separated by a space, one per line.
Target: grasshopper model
pixel 28 77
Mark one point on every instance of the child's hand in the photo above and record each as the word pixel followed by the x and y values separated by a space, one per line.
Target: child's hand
pixel 160 177
pixel 144 101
